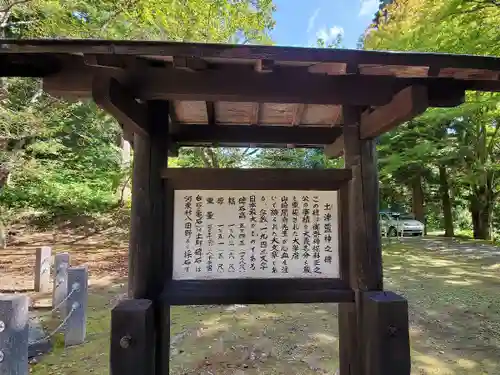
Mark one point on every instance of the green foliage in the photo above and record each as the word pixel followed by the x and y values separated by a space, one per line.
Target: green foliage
pixel 465 139
pixel 61 157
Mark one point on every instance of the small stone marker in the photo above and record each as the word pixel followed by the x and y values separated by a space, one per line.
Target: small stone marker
pixel 42 269
pixel 13 335
pixel 76 306
pixel 61 265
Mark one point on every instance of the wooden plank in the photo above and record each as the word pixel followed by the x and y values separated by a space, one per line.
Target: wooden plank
pixel 189 135
pixel 211 113
pixel 407 104
pixel 386 333
pixel 276 53
pixel 335 149
pixel 256 291
pixel 259 179
pixel 132 338
pixel 115 99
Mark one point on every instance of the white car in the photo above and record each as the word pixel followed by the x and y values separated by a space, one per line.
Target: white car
pixel 396 224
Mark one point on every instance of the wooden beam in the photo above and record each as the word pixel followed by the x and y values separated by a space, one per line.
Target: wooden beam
pixel 335 149
pixel 191 135
pixel 283 86
pixel 220 85
pixel 189 63
pixel 256 291
pixel 407 104
pixel 210 113
pixel 258 179
pixel 112 97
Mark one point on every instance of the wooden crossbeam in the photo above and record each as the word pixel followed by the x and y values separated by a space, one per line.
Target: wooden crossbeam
pixel 112 97
pixel 252 86
pixel 192 135
pixel 242 85
pixel 407 104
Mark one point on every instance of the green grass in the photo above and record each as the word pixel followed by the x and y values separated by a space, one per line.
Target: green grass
pixel 454 314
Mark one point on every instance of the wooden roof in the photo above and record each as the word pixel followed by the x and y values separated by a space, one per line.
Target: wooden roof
pixel 262 87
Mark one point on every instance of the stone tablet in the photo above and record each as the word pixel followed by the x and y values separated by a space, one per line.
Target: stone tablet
pixel 232 234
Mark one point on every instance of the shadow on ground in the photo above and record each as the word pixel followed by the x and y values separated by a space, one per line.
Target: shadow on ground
pixel 452 288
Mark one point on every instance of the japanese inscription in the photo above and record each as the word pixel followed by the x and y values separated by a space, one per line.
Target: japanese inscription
pixel 226 234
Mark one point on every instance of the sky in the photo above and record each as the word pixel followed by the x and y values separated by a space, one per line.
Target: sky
pixel 300 22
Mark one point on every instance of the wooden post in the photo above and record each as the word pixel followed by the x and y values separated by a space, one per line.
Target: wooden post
pixel 387 339
pixel 365 255
pixel 149 249
pixel 13 335
pixel 42 269
pixel 132 338
pixel 76 306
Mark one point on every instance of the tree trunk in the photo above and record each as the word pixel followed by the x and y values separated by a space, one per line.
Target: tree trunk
pixel 418 199
pixel 446 202
pixel 481 208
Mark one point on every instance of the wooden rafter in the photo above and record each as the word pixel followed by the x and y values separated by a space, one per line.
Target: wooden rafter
pixel 111 96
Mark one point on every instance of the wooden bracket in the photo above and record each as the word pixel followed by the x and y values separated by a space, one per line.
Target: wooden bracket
pixel 335 149
pixel 407 104
pixel 112 97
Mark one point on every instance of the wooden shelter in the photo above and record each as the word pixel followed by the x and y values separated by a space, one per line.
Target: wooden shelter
pixel 170 95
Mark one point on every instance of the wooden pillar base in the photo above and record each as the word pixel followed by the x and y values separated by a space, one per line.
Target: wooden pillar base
pixel 386 339
pixel 132 338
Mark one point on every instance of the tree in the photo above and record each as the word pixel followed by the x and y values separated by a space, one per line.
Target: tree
pixel 62 156
pixel 470 131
